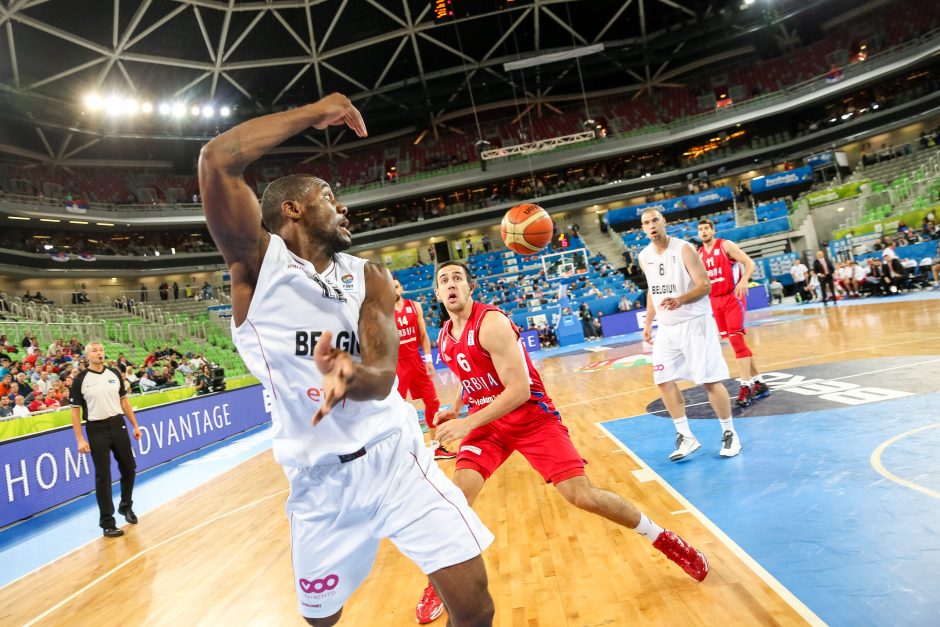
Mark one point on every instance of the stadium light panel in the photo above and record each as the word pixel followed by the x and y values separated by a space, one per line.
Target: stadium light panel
pixel 225 112
pixel 93 102
pixel 164 109
pixel 146 107
pixel 194 110
pixel 113 105
pixel 208 111
pixel 178 109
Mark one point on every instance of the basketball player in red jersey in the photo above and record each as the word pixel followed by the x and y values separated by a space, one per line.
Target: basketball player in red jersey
pixel 729 304
pixel 510 410
pixel 414 375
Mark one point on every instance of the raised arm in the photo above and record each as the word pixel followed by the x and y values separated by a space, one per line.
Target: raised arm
pixel 233 214
pixel 373 377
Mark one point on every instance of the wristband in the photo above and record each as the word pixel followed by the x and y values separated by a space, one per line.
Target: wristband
pixel 427 359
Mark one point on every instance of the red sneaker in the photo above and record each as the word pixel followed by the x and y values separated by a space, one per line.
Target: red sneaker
pixel 691 560
pixel 430 607
pixel 744 396
pixel 443 453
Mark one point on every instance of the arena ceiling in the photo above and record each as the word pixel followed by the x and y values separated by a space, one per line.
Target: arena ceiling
pixel 405 70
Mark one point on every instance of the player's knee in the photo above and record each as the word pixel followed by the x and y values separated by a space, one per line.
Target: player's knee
pixel 480 613
pixel 325 622
pixel 740 347
pixel 578 493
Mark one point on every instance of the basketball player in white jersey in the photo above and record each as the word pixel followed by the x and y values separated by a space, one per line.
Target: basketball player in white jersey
pixel 316 327
pixel 687 344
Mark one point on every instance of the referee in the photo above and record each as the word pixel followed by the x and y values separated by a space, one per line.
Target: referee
pixel 98 396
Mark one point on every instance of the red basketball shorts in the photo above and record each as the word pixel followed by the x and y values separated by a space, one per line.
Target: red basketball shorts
pixel 413 377
pixel 729 312
pixel 539 436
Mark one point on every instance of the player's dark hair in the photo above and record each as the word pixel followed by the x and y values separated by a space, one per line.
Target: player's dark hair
pixel 460 264
pixel 290 187
pixel 707 221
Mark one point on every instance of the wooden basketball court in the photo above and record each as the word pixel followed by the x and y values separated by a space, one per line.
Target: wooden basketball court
pixel 219 554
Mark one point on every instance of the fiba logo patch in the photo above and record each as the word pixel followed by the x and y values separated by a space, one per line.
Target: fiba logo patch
pixel 347 280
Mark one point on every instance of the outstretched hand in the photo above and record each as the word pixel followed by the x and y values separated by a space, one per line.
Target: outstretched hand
pixel 337 367
pixel 337 110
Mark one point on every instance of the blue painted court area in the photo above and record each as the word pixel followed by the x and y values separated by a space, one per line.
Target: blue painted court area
pixel 804 499
pixel 35 542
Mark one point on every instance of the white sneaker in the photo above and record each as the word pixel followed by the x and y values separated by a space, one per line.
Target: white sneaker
pixel 685 446
pixel 730 444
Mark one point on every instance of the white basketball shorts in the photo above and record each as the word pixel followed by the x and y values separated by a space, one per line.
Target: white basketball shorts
pixel 689 350
pixel 339 513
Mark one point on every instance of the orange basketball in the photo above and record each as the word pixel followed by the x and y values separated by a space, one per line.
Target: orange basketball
pixel 526 229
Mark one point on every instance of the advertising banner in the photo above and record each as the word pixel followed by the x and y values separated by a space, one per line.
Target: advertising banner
pixel 779 180
pixel 671 205
pixel 44 470
pixel 833 194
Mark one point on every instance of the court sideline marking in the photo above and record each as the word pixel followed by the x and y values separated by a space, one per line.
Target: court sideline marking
pixel 776 363
pixel 787 386
pixel 875 460
pixel 791 599
pixel 134 557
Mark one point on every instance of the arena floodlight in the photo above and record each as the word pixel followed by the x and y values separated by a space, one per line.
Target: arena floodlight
pixel 92 102
pixel 146 107
pixel 208 111
pixel 194 110
pixel 164 109
pixel 178 109
pixel 225 112
pixel 113 105
pixel 130 106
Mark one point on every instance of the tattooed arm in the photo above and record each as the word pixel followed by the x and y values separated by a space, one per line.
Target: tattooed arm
pixel 233 214
pixel 373 378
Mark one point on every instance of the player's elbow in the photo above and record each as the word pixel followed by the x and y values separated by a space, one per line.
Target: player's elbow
pixel 518 394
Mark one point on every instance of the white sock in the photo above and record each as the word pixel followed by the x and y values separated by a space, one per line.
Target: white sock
pixel 727 424
pixel 756 379
pixel 746 382
pixel 648 528
pixel 682 426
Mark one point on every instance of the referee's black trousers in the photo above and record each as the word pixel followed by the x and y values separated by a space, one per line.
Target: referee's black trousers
pixel 105 436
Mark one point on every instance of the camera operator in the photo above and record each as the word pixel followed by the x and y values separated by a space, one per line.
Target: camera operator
pixel 204 381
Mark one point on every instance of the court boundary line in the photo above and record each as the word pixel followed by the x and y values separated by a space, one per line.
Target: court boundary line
pixel 772 582
pixel 139 554
pixel 875 461
pixel 764 367
pixel 191 454
pixel 787 386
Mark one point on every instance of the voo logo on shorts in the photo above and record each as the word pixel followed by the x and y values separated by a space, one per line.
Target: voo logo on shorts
pixel 319 586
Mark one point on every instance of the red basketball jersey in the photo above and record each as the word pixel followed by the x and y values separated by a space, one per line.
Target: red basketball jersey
pixel 407 322
pixel 720 269
pixel 474 366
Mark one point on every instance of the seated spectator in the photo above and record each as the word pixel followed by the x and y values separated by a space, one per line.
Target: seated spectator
pixel 624 304
pixel 6 407
pixel 776 291
pixel 37 404
pixel 596 325
pixel 52 402
pixel 20 409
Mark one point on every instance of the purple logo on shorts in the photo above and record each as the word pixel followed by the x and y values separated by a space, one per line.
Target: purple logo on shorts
pixel 316 586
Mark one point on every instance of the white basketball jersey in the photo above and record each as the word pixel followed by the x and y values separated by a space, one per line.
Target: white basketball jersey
pixel 292 306
pixel 668 278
